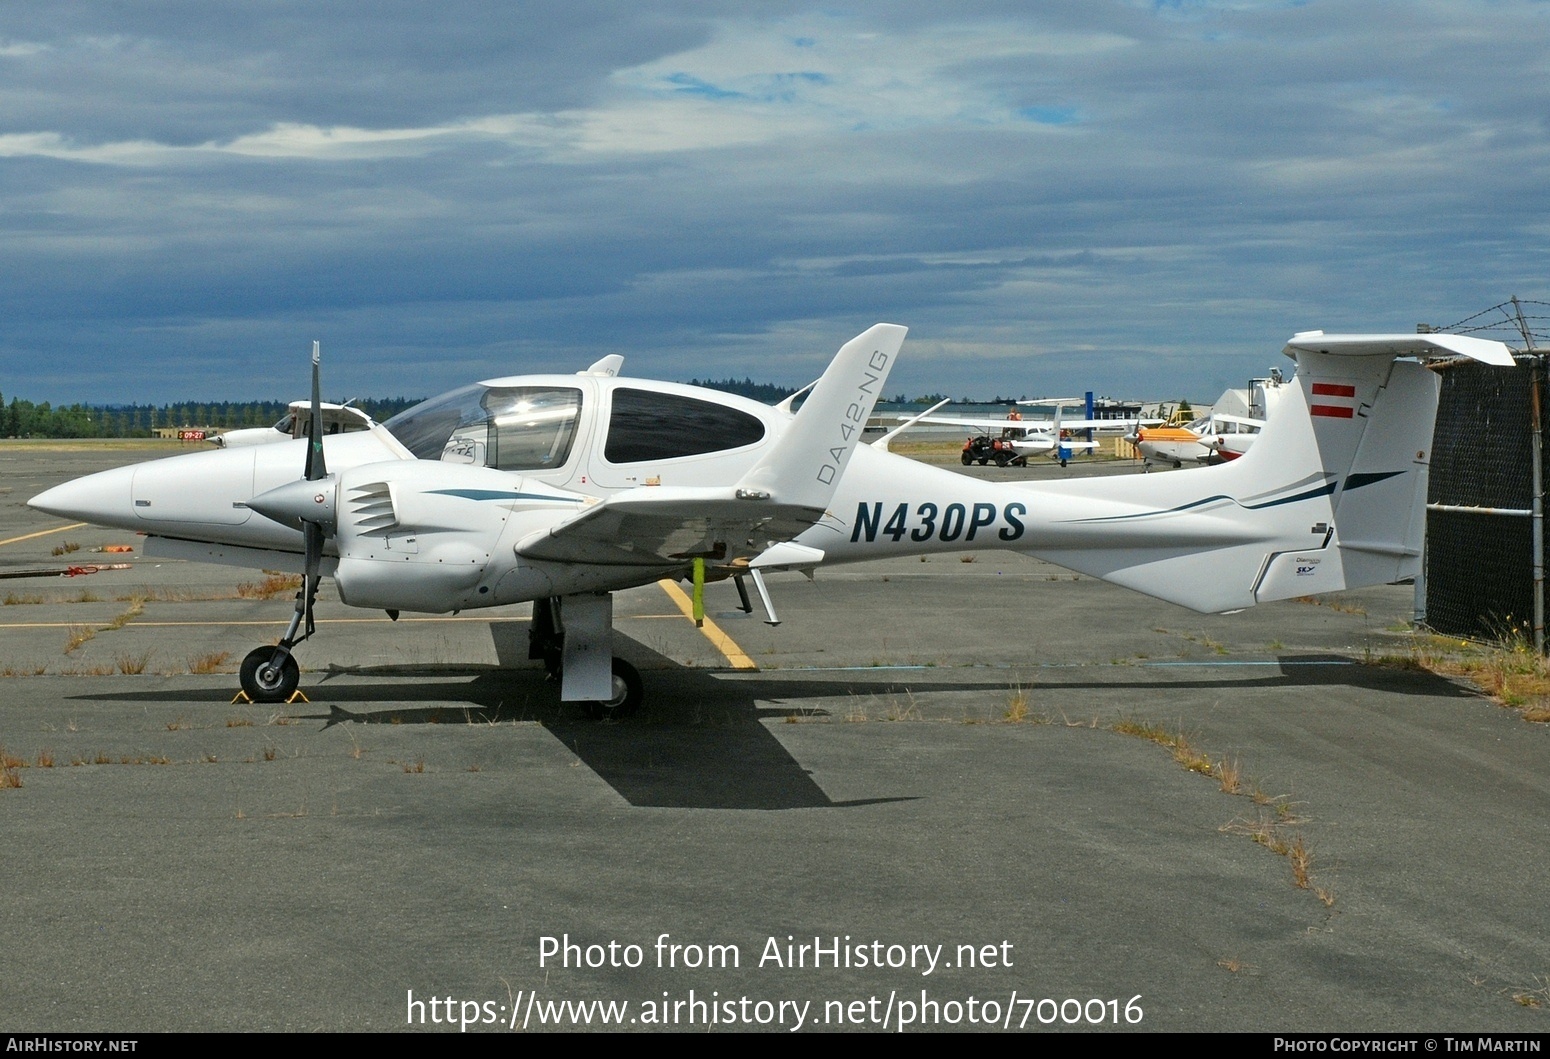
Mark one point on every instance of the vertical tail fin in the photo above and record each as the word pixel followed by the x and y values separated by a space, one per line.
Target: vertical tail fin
pixel 805 464
pixel 1371 416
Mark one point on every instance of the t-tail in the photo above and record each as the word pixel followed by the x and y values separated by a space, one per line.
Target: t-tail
pixel 1331 496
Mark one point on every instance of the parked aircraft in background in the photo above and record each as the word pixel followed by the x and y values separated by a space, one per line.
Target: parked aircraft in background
pixel 561 489
pixel 336 419
pixel 1210 439
pixel 1218 437
pixel 1010 441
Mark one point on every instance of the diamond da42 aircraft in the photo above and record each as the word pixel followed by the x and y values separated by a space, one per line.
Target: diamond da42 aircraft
pixel 561 489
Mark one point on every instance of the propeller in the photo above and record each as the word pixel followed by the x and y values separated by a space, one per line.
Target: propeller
pixel 307 505
pixel 317 470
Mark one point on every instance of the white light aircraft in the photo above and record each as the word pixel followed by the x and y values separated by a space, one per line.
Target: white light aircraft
pixel 1011 441
pixel 561 489
pixel 1215 438
pixel 297 423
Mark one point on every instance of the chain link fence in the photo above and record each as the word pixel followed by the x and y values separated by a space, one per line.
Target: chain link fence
pixel 1484 576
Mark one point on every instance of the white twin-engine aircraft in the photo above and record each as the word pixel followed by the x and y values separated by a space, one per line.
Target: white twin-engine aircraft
pixel 561 489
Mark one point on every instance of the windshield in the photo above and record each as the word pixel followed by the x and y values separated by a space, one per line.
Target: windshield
pixel 516 428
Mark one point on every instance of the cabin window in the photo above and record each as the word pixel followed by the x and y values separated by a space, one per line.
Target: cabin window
pixel 514 428
pixel 646 425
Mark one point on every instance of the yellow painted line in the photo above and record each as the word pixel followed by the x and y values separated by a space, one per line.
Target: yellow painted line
pixel 723 643
pixel 43 533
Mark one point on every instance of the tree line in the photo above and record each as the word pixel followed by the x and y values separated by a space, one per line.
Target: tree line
pixel 24 419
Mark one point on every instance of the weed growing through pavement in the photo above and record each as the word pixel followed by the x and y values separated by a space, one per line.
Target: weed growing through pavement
pixel 10 770
pixel 132 665
pixel 1016 705
pixel 135 610
pixel 1512 674
pixel 1275 824
pixel 1535 996
pixel 210 662
pixel 275 584
pixel 898 712
pixel 79 634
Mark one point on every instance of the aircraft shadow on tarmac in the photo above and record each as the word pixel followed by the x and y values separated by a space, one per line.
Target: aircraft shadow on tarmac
pixel 700 742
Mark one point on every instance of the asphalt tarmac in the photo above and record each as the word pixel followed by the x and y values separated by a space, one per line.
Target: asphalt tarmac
pixel 943 799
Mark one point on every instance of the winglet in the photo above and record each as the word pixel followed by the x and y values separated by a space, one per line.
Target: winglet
pixel 805 464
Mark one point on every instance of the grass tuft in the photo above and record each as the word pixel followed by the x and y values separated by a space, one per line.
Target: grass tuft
pixel 270 587
pixel 132 665
pixel 1301 860
pixel 136 608
pixel 1512 674
pixel 1016 705
pixel 79 634
pixel 208 663
pixel 1229 775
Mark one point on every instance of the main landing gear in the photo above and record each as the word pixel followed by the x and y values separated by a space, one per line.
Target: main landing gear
pixel 573 637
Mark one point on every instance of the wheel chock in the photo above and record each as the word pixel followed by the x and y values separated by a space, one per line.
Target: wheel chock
pixel 296 696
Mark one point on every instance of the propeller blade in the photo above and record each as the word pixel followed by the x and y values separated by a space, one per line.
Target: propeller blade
pixel 315 465
pixel 311 576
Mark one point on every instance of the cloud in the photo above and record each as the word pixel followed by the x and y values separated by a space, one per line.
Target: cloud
pixel 190 189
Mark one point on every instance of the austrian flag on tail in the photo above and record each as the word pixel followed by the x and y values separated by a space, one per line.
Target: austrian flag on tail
pixel 1337 400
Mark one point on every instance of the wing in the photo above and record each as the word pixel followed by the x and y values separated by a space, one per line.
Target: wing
pixel 1033 426
pixel 664 526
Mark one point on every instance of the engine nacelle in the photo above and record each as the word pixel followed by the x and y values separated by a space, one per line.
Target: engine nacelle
pixel 422 536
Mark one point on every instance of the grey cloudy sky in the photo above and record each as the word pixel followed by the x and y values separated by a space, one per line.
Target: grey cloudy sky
pixel 1140 198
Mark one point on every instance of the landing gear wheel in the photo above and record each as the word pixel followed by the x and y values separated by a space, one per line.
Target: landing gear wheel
pixel 264 682
pixel 628 693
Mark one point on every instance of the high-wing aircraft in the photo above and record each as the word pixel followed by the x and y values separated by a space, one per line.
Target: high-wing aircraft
pixel 1009 441
pixel 561 489
pixel 297 423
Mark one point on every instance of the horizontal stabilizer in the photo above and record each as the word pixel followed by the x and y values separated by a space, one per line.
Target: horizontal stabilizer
pixel 1401 345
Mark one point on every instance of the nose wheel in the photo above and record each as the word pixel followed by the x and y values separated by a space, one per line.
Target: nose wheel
pixel 264 679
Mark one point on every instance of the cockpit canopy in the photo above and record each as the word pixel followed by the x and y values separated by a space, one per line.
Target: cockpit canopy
pixel 533 428
pixel 512 428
